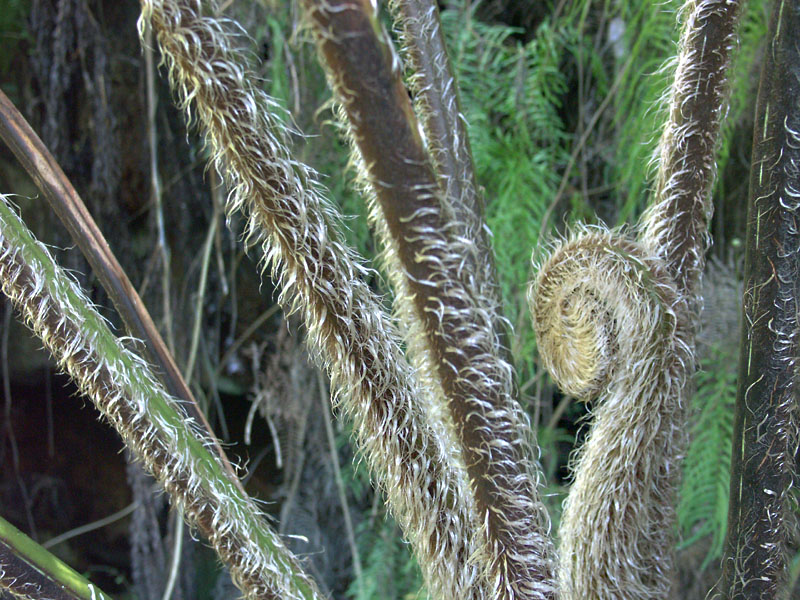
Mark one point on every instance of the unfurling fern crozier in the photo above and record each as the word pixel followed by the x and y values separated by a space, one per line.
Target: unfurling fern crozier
pixel 610 326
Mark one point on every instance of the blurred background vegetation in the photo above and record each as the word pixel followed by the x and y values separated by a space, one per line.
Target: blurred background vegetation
pixel 563 105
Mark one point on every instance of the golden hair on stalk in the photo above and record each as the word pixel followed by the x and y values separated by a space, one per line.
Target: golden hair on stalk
pixel 596 300
pixel 611 325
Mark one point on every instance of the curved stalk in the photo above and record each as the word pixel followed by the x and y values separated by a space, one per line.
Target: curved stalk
pixel 675 225
pixel 610 324
pixel 630 459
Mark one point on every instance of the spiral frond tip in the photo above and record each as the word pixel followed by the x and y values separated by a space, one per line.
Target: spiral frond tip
pixel 610 321
pixel 596 301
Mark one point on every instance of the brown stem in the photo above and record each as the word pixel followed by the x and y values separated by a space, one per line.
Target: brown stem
pixel 436 91
pixel 450 280
pixel 67 204
pixel 766 422
pixel 323 280
pixel 676 224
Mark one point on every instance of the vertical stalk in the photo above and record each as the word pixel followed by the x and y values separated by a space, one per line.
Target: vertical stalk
pixel 447 283
pixel 436 94
pixel 156 192
pixel 676 224
pixel 358 572
pixel 766 425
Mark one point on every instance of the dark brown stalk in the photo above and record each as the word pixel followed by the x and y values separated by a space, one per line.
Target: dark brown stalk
pixel 436 93
pixel 67 204
pixel 435 90
pixel 29 572
pixel 450 282
pixel 766 425
pixel 676 224
pixel 22 580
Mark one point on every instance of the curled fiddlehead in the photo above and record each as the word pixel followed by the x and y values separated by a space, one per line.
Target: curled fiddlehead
pixel 641 301
pixel 611 325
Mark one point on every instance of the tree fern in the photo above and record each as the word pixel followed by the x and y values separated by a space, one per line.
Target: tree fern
pixel 521 137
pixel 761 519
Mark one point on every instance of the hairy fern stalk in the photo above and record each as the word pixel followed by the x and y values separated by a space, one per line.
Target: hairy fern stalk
pixel 323 280
pixel 616 319
pixel 441 430
pixel 762 515
pixel 146 417
pixel 610 322
pixel 439 262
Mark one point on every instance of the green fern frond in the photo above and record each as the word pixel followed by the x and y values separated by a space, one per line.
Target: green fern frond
pixel 650 33
pixel 703 505
pixel 390 570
